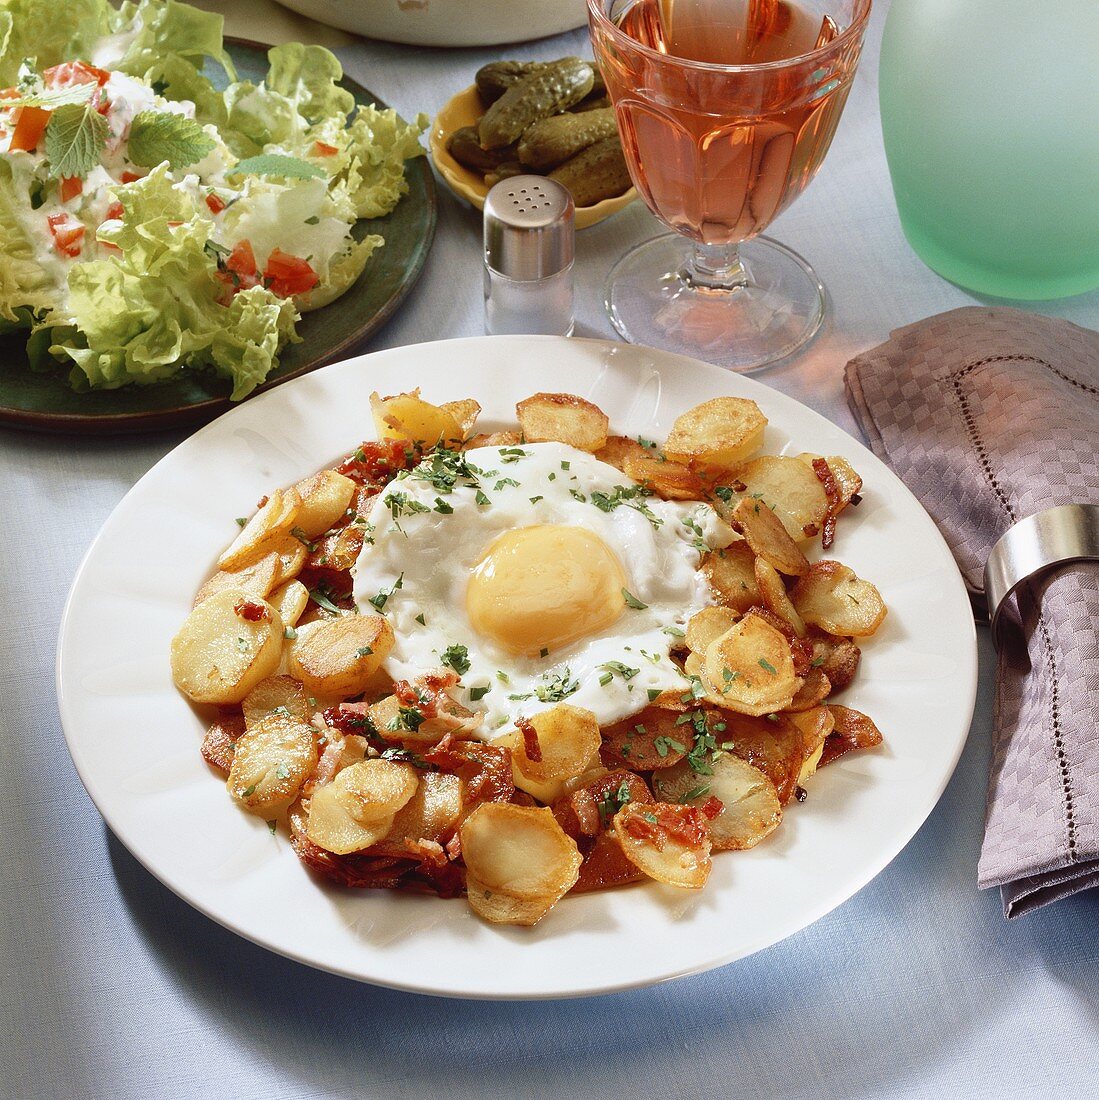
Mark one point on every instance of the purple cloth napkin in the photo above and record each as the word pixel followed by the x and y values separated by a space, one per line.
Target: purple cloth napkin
pixel 990 415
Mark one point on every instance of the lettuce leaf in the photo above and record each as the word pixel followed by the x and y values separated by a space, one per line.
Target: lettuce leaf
pixel 307 76
pixel 154 308
pixel 26 288
pixel 36 28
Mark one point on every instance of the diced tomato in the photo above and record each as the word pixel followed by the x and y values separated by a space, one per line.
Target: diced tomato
pixel 215 202
pixel 102 103
pixel 115 211
pixel 375 461
pixel 30 125
pixel 323 149
pixel 74 72
pixel 71 186
pixel 288 275
pixel 68 234
pixel 242 263
pixel 131 177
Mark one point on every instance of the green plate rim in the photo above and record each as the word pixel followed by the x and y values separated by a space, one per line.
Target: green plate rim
pixel 201 411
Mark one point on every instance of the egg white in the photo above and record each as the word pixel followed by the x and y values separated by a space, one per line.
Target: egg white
pixel 419 556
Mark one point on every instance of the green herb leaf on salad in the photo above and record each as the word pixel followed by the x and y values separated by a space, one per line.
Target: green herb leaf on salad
pixel 157 136
pixel 75 139
pixel 278 165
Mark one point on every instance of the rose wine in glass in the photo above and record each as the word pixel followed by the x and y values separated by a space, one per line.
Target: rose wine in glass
pixel 726 109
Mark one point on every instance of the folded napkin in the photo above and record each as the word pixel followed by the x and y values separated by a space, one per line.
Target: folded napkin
pixel 991 415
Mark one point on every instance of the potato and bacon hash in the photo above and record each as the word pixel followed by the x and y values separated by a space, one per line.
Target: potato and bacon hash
pixel 395 784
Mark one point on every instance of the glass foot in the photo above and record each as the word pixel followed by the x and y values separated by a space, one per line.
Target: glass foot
pixel 775 306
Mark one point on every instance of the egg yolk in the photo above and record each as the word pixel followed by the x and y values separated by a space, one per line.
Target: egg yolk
pixel 542 587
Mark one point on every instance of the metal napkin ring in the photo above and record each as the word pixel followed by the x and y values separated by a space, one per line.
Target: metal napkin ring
pixel 1056 536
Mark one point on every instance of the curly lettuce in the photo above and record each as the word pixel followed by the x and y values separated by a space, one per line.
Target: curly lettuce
pixel 36 28
pixel 27 290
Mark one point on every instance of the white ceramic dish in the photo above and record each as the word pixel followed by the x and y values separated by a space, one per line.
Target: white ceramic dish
pixel 447 22
pixel 135 740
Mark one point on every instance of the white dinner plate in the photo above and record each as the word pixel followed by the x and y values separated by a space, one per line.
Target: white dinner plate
pixel 135 739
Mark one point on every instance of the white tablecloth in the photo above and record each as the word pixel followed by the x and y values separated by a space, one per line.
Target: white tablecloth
pixel 111 987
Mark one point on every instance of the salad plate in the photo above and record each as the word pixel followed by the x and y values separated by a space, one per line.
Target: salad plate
pixel 135 739
pixel 46 402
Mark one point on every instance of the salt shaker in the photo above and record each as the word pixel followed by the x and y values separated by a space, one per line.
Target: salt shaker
pixel 529 232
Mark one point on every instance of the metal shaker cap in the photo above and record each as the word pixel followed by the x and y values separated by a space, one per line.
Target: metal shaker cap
pixel 529 227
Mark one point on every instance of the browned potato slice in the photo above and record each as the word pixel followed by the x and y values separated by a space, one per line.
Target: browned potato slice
pixel 731 573
pixel 271 761
pixel 768 538
pixel 220 741
pixel 670 480
pixel 358 808
pixel 724 431
pixel 562 418
pixel 847 480
pixel 814 690
pixel 276 695
pixel 258 579
pixel 647 741
pixel 787 486
pixel 339 656
pixel 750 805
pixel 325 498
pixel 564 740
pixel 670 843
pixel 774 744
pixel 775 598
pixel 621 448
pixel 432 813
pixel 520 851
pixel 493 439
pixel 268 526
pixel 227 645
pixel 815 725
pixel 465 413
pixel 832 597
pixel 499 908
pixel 408 416
pixel 852 730
pixel 339 550
pixel 292 554
pixel 750 668
pixel 708 625
pixel 289 600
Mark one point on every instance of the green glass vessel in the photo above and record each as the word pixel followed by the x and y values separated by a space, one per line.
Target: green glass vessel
pixel 990 115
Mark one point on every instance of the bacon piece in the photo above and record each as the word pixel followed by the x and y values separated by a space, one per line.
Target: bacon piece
pixel 835 500
pixel 670 821
pixel 605 865
pixel 531 746
pixel 485 770
pixel 251 611
pixel 376 461
pixel 220 741
pixel 853 730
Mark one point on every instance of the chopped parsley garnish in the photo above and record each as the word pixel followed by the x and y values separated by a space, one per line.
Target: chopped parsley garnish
pixel 577 495
pixel 321 596
pixel 304 539
pixel 630 495
pixel 633 601
pixel 696 792
pixel 379 601
pixel 406 756
pixel 535 500
pixel 675 631
pixel 512 454
pixel 816 662
pixel 243 645
pixel 505 481
pixel 647 443
pixel 664 745
pixel 565 464
pixel 557 687
pixel 282 771
pixel 613 801
pixel 401 504
pixel 364 651
pixel 767 666
pixel 723 492
pixel 543 653
pixel 624 671
pixel 481 499
pixel 241 521
pixel 457 658
pixel 654 693
pixel 699 540
pixel 421 620
pixel 406 718
pixel 478 693
pixel 442 507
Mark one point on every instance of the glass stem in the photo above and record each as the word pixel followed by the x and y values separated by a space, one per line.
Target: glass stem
pixel 715 267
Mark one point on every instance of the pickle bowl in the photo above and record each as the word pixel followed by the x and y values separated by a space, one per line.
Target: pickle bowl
pixel 464 109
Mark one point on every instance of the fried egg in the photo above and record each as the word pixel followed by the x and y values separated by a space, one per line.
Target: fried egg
pixel 539 574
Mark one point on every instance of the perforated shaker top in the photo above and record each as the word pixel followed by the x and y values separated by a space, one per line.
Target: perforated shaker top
pixel 529 227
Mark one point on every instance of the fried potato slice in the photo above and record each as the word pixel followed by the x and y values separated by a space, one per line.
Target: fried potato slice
pixel 750 807
pixel 289 600
pixel 272 523
pixel 852 730
pixel 815 725
pixel 276 695
pixel 493 439
pixel 271 761
pixel 768 538
pixel 432 813
pixel 815 688
pixel 563 418
pixel 564 740
pixel 586 810
pixel 732 577
pixel 225 647
pixel 258 579
pixel 359 806
pixel 775 598
pixel 723 432
pixel 325 498
pixel 649 740
pixel 220 742
pixel 465 413
pixel 499 908
pixel 789 487
pixel 832 597
pixel 847 480
pixel 775 745
pixel 292 554
pixel 605 866
pixel 519 851
pixel 667 479
pixel 750 668
pixel 408 416
pixel 669 843
pixel 708 625
pixel 337 551
pixel 621 448
pixel 339 656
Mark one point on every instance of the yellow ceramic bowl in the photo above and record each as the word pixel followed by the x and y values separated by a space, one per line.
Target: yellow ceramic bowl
pixel 465 109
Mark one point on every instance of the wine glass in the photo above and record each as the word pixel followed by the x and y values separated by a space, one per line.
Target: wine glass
pixel 726 109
